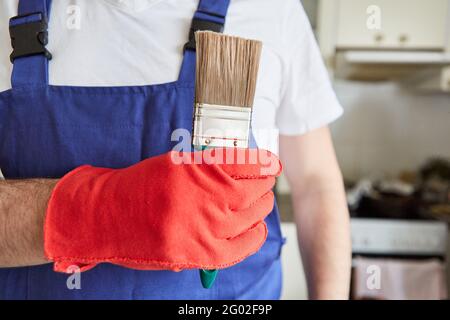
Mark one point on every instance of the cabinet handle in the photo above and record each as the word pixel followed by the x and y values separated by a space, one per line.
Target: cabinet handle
pixel 379 38
pixel 403 38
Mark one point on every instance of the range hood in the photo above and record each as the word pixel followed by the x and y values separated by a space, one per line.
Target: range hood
pixel 396 57
pixel 425 70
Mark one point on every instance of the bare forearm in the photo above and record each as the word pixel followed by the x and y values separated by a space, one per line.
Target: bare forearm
pixel 320 212
pixel 22 211
pixel 324 238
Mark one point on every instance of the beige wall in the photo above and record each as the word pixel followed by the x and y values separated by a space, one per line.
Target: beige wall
pixel 386 129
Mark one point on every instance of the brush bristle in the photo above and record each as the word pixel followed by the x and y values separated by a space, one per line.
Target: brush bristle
pixel 227 69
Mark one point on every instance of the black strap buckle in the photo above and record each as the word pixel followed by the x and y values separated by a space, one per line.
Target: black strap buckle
pixel 198 25
pixel 29 39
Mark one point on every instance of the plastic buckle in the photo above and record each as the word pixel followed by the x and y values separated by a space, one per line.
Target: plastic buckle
pixel 28 39
pixel 199 25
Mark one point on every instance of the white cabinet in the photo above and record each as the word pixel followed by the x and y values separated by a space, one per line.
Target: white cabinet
pixel 403 24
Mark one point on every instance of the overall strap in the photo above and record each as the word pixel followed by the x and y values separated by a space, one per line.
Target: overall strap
pixel 210 15
pixel 28 32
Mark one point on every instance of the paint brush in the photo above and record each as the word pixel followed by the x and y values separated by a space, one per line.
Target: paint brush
pixel 226 74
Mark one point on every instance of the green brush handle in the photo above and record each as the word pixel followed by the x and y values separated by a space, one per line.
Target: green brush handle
pixel 207 276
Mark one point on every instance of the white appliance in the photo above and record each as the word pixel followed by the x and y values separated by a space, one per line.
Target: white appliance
pixel 388 237
pixel 404 259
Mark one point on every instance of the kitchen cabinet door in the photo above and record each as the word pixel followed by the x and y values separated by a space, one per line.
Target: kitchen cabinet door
pixel 403 24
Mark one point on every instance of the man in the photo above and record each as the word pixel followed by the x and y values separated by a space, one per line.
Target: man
pixel 54 122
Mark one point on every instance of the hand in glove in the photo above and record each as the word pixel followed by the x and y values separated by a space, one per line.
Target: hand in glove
pixel 159 214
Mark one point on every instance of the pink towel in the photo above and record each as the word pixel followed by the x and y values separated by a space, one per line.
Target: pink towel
pixel 391 279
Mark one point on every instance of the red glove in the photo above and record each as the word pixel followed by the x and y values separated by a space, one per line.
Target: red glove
pixel 161 215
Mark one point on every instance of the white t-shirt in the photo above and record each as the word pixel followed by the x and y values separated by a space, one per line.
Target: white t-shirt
pixel 139 42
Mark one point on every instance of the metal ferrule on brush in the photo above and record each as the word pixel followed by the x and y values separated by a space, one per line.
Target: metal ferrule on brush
pixel 221 126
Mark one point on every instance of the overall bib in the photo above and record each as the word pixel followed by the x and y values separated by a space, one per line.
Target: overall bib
pixel 47 130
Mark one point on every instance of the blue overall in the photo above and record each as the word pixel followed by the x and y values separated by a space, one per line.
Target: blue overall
pixel 48 130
